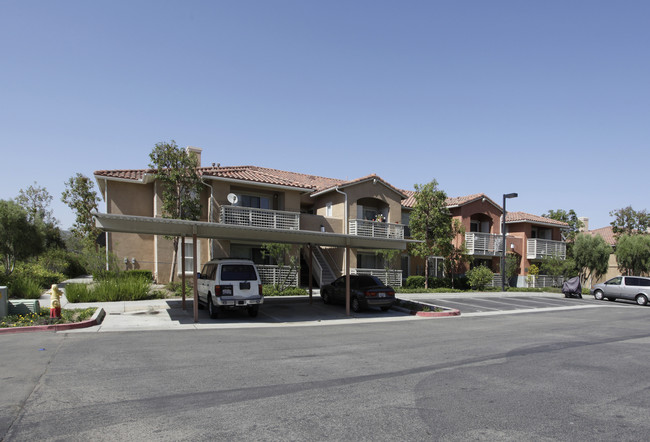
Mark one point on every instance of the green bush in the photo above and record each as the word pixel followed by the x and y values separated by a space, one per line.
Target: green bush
pixel 177 287
pixel 62 261
pixel 109 290
pixel 23 287
pixel 269 290
pixel 415 282
pixel 479 277
pixel 146 274
pixel 36 272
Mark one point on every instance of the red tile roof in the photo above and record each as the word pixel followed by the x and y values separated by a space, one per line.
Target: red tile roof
pixel 409 202
pixel 516 217
pixel 607 233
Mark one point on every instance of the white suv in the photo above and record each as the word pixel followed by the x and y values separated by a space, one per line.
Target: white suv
pixel 230 284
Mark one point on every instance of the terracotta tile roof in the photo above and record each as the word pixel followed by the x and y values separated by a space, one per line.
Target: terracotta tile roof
pixel 607 233
pixel 372 176
pixel 515 217
pixel 127 174
pixel 409 202
pixel 258 175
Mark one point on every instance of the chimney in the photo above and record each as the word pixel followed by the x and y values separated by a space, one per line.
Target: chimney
pixel 585 223
pixel 195 151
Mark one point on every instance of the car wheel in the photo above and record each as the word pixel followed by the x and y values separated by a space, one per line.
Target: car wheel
pixel 641 300
pixel 385 308
pixel 253 310
pixel 598 295
pixel 356 305
pixel 326 298
pixel 213 311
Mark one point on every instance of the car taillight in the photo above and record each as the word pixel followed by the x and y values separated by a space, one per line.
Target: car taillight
pixel 259 288
pixel 391 293
pixel 222 290
pixel 371 294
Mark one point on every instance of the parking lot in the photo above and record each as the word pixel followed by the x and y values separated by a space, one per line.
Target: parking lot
pixel 471 304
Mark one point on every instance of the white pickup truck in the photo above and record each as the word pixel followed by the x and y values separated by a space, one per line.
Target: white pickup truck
pixel 230 284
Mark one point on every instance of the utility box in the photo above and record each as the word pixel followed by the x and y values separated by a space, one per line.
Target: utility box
pixel 24 306
pixel 4 304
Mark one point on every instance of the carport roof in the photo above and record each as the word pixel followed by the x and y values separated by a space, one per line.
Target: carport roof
pixel 202 229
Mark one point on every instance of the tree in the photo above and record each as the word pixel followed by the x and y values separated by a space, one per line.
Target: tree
pixel 591 255
pixel 177 171
pixel 513 261
pixel 479 277
pixel 80 196
pixel 629 221
pixel 633 254
pixel 454 255
pixel 570 218
pixel 557 268
pixel 36 202
pixel 280 255
pixel 430 222
pixel 19 239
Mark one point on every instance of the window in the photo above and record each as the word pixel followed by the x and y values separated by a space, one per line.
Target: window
pixel 328 209
pixel 238 272
pixel 256 202
pixel 189 247
pixel 614 281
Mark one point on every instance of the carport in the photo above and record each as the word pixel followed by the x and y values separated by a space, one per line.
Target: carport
pixel 202 229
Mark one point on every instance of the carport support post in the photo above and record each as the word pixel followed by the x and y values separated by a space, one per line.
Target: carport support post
pixel 311 263
pixel 183 271
pixel 194 281
pixel 347 280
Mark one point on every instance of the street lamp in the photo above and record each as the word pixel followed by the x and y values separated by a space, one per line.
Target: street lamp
pixel 503 232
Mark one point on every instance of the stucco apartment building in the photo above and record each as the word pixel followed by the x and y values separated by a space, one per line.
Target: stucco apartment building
pixel 271 198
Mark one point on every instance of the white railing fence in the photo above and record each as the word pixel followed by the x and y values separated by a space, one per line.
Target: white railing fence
pixel 541 281
pixel 390 277
pixel 249 216
pixel 488 244
pixel 270 274
pixel 543 248
pixel 376 229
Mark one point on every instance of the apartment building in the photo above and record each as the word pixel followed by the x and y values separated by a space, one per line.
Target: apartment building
pixel 276 199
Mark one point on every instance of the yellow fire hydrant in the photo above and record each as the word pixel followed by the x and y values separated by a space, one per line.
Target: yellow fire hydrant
pixel 55 302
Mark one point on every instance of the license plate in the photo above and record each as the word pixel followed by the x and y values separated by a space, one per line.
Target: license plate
pixel 382 295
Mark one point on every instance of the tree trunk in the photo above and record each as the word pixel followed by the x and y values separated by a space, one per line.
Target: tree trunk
pixel 174 254
pixel 426 272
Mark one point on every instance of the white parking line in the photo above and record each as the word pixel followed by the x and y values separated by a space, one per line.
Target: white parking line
pixel 530 310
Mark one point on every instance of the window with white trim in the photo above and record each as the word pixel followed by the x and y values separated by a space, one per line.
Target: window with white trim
pixel 328 209
pixel 189 256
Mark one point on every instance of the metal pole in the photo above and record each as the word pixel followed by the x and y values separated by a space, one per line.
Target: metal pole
pixel 503 252
pixel 311 264
pixel 183 272
pixel 347 280
pixel 194 279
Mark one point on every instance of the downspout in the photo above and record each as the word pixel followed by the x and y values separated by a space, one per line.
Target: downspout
pixel 345 224
pixel 210 217
pixel 106 233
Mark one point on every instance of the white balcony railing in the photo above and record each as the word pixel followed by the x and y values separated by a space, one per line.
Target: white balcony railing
pixel 271 219
pixel 376 229
pixel 544 248
pixel 270 274
pixel 390 277
pixel 484 244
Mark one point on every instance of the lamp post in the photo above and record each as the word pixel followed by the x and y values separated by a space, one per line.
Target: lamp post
pixel 503 232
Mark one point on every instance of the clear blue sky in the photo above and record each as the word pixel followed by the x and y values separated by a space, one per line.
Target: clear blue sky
pixel 550 99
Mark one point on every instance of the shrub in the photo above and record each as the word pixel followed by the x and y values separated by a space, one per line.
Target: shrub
pixel 109 290
pixel 36 272
pixel 61 261
pixel 24 287
pixel 479 277
pixel 269 290
pixel 146 274
pixel 415 282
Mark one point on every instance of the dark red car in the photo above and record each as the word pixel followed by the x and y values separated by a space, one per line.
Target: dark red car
pixel 365 291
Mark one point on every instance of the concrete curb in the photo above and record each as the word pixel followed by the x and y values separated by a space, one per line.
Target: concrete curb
pixel 445 312
pixel 96 319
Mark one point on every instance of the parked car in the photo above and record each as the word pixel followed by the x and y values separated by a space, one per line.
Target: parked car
pixel 636 288
pixel 228 284
pixel 365 291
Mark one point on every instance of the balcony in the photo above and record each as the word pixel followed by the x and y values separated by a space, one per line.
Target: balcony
pixel 376 229
pixel 484 244
pixel 270 219
pixel 544 248
pixel 390 277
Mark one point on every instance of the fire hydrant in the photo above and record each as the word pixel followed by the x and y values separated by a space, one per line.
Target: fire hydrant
pixel 55 302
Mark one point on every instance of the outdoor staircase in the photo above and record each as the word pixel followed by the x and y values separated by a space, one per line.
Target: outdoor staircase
pixel 322 272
